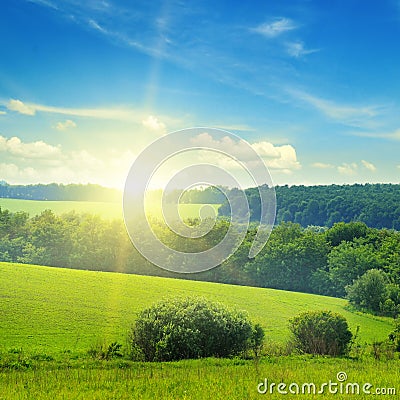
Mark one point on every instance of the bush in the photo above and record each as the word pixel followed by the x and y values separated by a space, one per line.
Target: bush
pixel 394 336
pixel 102 351
pixel 321 332
pixel 191 328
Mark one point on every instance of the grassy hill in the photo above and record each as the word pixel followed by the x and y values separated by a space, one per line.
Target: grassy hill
pixel 104 209
pixel 51 309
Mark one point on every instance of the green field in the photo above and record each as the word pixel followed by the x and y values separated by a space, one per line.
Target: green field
pixel 198 379
pixel 50 317
pixel 51 309
pixel 105 210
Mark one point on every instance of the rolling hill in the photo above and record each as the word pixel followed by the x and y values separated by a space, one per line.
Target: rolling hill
pixel 52 309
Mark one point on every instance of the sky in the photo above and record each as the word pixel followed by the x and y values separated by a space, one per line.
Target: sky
pixel 312 86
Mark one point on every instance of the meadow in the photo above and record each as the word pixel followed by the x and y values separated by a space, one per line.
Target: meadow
pixel 50 310
pixel 51 317
pixel 199 379
pixel 105 210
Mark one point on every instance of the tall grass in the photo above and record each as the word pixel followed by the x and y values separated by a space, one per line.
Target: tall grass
pixel 195 379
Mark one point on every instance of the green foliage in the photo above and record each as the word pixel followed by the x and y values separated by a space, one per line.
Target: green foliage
pixel 313 260
pixel 347 262
pixel 342 232
pixel 54 191
pixel 394 336
pixel 376 205
pixel 289 259
pixel 101 351
pixel 321 332
pixel 373 292
pixel 256 342
pixel 191 328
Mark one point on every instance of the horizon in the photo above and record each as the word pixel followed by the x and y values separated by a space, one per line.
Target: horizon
pixel 313 88
pixel 5 183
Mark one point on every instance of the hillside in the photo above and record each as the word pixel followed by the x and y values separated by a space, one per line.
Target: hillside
pixel 52 309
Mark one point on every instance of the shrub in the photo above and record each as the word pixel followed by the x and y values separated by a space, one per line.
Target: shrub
pixel 191 328
pixel 394 336
pixel 321 332
pixel 102 351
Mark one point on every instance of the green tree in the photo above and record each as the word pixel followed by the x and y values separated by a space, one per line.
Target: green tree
pixel 347 262
pixel 369 291
pixel 345 232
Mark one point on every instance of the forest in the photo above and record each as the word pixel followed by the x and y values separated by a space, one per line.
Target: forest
pixel 377 205
pixel 328 261
pixel 58 192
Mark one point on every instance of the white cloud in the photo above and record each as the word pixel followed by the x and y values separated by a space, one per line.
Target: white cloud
pixel 369 166
pixel 321 165
pixel 348 114
pixel 278 157
pixel 67 124
pixel 20 107
pixel 235 127
pixel 276 27
pixel 297 49
pixel 152 123
pixel 34 150
pixel 3 112
pixel 348 169
pixel 112 113
pixel 46 3
pixel 394 135
pixel 275 157
pixel 12 173
pixel 95 25
pixel 41 162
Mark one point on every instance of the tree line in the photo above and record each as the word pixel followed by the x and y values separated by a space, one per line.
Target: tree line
pixel 58 192
pixel 318 260
pixel 377 205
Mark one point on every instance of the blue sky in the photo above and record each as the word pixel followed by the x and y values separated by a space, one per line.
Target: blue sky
pixel 313 85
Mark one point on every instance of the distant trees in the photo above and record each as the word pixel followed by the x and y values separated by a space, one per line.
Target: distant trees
pixel 314 259
pixel 289 259
pixel 376 205
pixel 54 191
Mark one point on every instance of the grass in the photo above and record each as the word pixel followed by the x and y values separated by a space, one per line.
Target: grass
pixel 103 209
pixel 50 310
pixel 195 379
pixel 50 317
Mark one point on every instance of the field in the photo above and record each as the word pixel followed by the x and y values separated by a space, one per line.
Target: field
pixel 105 210
pixel 56 315
pixel 50 309
pixel 201 380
